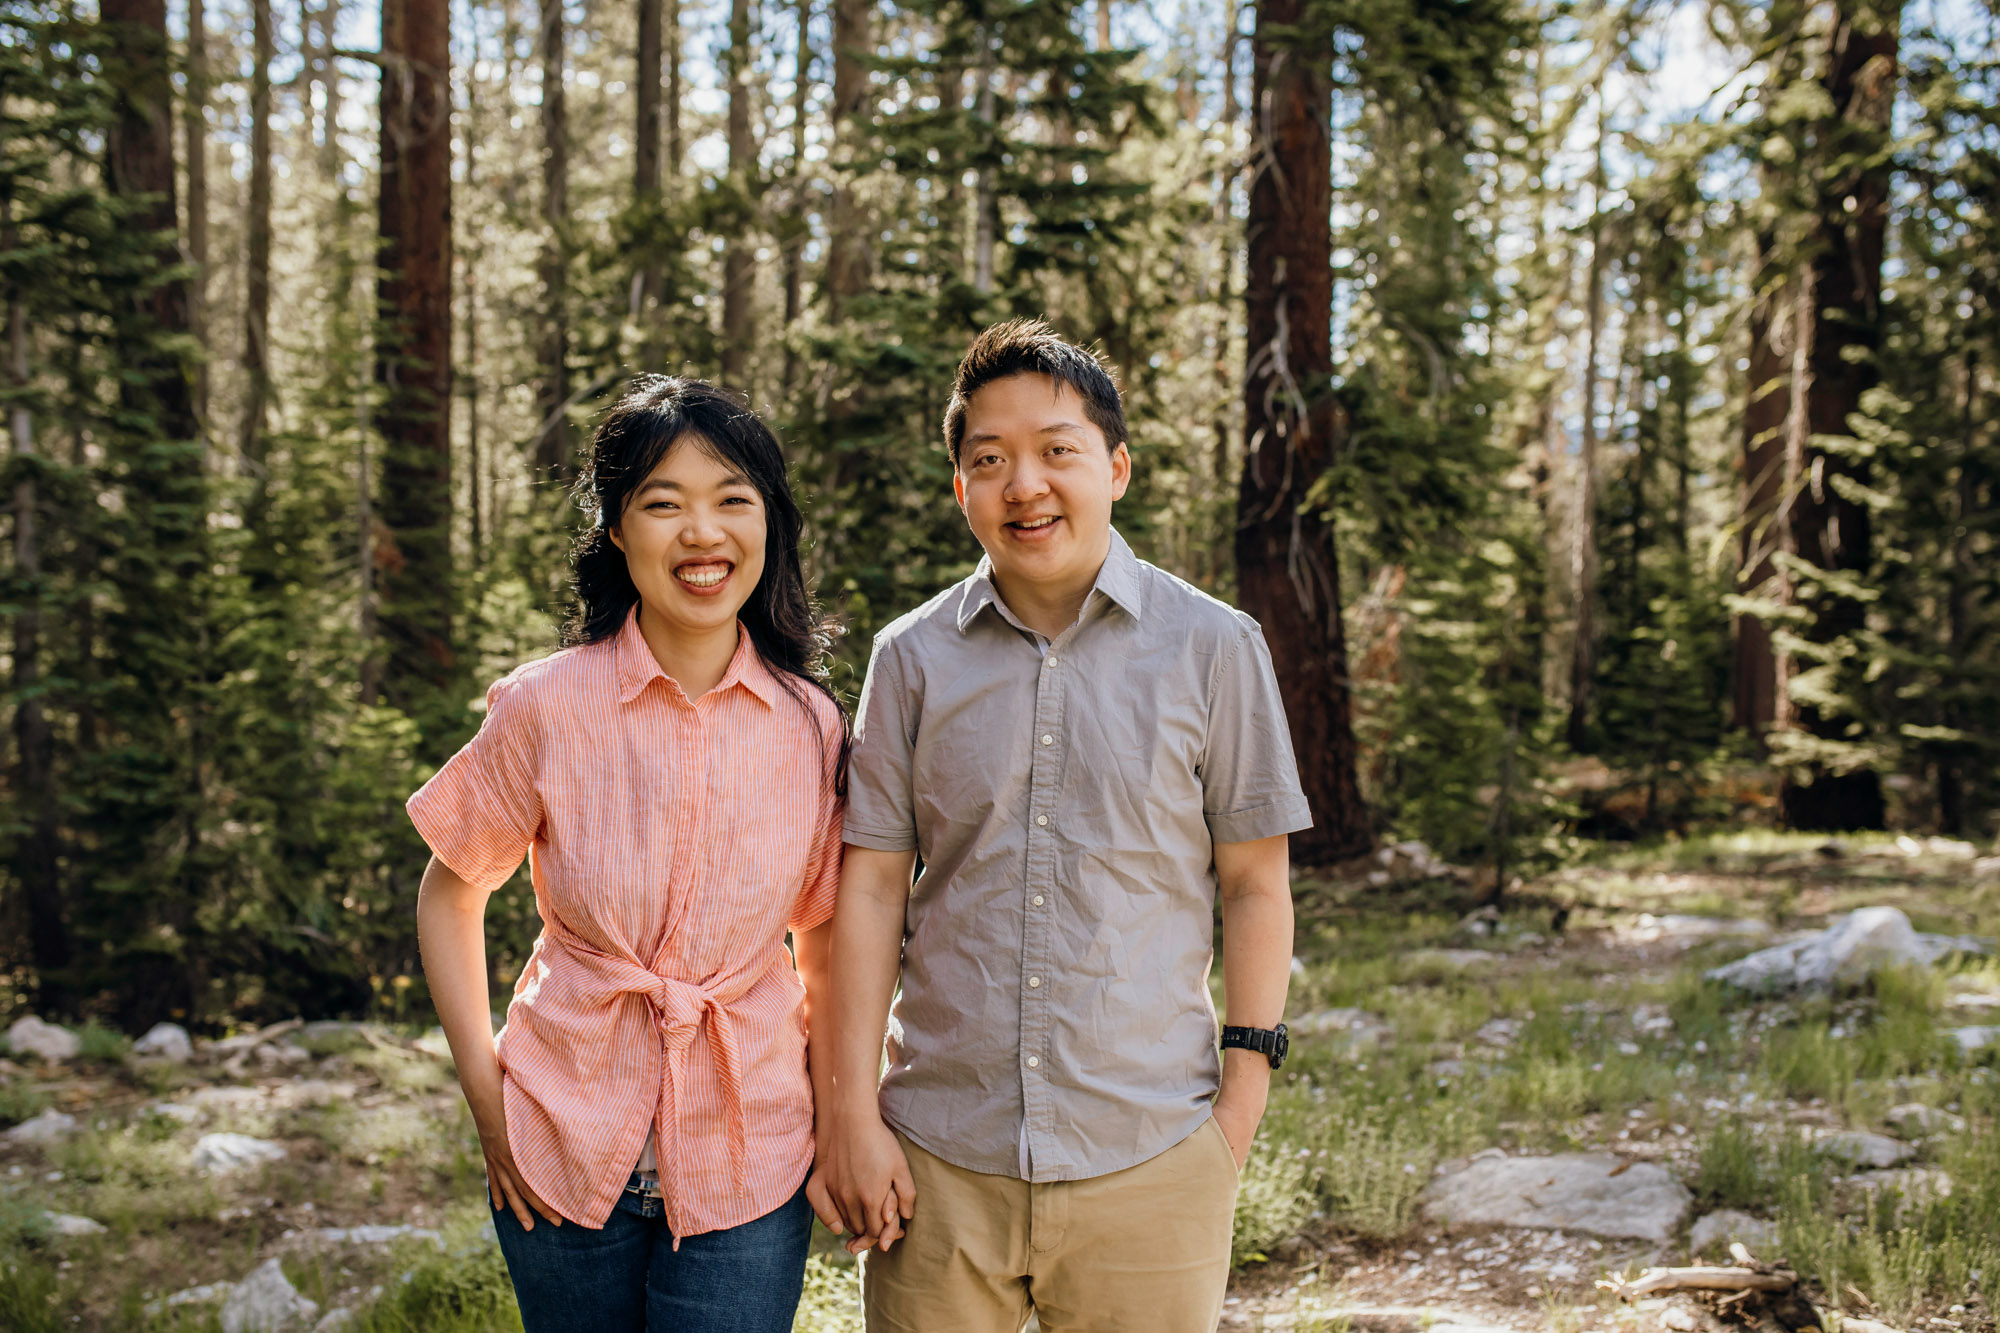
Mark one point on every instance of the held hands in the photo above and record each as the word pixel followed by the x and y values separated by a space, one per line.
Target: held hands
pixel 861 1182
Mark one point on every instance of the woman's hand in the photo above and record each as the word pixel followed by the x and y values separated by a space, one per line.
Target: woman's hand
pixel 451 931
pixel 862 1179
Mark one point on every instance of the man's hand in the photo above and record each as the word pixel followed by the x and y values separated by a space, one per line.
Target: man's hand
pixel 861 1182
pixel 1239 1109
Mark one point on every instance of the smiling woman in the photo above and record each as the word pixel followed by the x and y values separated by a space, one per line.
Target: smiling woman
pixel 676 772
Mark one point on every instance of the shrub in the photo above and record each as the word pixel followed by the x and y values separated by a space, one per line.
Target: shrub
pixel 832 1299
pixel 1272 1201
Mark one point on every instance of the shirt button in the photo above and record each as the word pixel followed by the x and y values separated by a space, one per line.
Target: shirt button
pixel 1052 661
pixel 1038 900
pixel 1033 982
pixel 1048 740
pixel 1034 1062
pixel 1042 820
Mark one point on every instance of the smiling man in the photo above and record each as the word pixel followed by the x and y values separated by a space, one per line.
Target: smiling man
pixel 1084 750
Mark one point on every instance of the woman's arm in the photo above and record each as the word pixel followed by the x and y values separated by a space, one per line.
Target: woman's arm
pixel 451 931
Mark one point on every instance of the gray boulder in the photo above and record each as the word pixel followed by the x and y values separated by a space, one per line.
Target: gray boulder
pixel 1859 1148
pixel 267 1302
pixel 1594 1193
pixel 1712 1234
pixel 165 1041
pixel 44 1129
pixel 221 1154
pixel 44 1041
pixel 1350 1029
pixel 1975 1040
pixel 70 1225
pixel 1916 1120
pixel 1846 953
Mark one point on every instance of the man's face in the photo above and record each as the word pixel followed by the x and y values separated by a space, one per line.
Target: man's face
pixel 1036 482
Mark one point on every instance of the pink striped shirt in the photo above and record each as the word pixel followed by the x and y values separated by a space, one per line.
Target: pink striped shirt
pixel 673 844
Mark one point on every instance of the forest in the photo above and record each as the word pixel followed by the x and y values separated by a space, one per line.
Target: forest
pixel 1595 400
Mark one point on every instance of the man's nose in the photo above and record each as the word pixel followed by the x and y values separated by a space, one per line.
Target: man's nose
pixel 1025 482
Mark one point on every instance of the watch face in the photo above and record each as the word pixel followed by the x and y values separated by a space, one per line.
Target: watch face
pixel 1284 1047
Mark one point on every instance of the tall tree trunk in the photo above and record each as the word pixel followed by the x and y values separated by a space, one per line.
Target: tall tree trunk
pixel 673 59
pixel 412 545
pixel 552 439
pixel 739 263
pixel 646 152
pixel 470 264
pixel 1583 554
pixel 194 118
pixel 257 277
pixel 1225 294
pixel 795 242
pixel 1287 571
pixel 1961 599
pixel 986 204
pixel 37 853
pixel 1104 25
pixel 847 250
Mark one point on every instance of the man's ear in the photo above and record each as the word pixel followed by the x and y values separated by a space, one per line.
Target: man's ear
pixel 958 489
pixel 1121 470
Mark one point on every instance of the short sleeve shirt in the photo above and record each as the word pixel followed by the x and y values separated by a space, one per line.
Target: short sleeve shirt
pixel 1054 1021
pixel 672 843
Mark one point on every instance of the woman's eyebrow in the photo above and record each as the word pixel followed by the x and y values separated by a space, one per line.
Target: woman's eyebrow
pixel 667 484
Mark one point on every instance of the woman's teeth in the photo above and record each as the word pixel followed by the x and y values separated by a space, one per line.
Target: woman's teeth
pixel 705 577
pixel 1029 525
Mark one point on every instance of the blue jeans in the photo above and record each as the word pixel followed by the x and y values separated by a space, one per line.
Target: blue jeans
pixel 628 1278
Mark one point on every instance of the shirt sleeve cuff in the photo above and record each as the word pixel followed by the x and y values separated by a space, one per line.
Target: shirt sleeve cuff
pixel 1266 821
pixel 899 840
pixel 483 862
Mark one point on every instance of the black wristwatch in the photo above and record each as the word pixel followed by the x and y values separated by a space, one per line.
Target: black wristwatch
pixel 1272 1043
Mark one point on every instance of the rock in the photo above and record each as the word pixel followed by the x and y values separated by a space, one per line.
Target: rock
pixel 1652 1020
pixel 1482 923
pixel 1677 1319
pixel 1986 867
pixel 178 1112
pixel 266 1302
pixel 376 1235
pixel 69 1224
pixel 1446 1069
pixel 1501 1032
pixel 1870 1152
pixel 44 1041
pixel 272 1055
pixel 1687 931
pixel 49 1127
pixel 1850 1324
pixel 336 1321
pixel 165 1041
pixel 202 1295
pixel 1915 1120
pixel 1911 1184
pixel 1975 1040
pixel 220 1154
pixel 1594 1193
pixel 1845 954
pixel 1352 1029
pixel 1712 1234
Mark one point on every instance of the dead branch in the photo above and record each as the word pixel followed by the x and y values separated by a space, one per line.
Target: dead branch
pixel 1699 1279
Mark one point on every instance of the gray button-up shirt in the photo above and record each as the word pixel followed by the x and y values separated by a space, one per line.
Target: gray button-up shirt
pixel 1054 1021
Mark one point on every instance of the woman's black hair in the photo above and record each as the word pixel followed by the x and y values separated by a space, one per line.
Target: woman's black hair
pixel 655 413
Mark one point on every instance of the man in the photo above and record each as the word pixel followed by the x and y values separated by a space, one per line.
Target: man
pixel 1084 750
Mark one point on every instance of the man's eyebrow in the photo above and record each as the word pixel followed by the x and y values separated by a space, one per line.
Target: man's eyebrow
pixel 1059 427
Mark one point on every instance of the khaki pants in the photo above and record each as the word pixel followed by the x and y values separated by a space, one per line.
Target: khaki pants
pixel 1145 1249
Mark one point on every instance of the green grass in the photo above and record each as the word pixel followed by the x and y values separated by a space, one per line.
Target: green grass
pixel 105 1045
pixel 831 1302
pixel 20 1101
pixel 1732 1172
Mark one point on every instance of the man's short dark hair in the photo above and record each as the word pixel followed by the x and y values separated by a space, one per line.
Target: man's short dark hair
pixel 1031 347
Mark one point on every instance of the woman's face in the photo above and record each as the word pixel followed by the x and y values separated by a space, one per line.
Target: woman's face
pixel 693 538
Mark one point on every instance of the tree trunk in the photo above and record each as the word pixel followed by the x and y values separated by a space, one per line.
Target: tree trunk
pixel 1961 599
pixel 1225 187
pixel 257 277
pixel 37 853
pixel 552 439
pixel 1583 554
pixel 194 117
pixel 1287 571
pixel 986 204
pixel 673 59
pixel 646 150
pixel 1104 25
pixel 847 251
pixel 739 263
pixel 795 243
pixel 411 549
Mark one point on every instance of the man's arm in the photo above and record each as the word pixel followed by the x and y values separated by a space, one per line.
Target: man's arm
pixel 861 1174
pixel 1255 879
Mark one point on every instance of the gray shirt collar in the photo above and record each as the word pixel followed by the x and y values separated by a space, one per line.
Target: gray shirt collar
pixel 1118 580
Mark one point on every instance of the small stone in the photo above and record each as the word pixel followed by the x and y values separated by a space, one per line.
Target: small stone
pixel 44 1041
pixel 1910 1184
pixel 1449 960
pixel 1500 1032
pixel 1858 1147
pixel 1712 1234
pixel 1920 1121
pixel 220 1154
pixel 1352 1030
pixel 202 1295
pixel 69 1224
pixel 49 1127
pixel 179 1112
pixel 1594 1193
pixel 376 1235
pixel 1849 1324
pixel 1677 1319
pixel 336 1321
pixel 165 1041
pixel 1975 1040
pixel 266 1302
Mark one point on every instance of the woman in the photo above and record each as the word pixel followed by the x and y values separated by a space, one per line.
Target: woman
pixel 676 772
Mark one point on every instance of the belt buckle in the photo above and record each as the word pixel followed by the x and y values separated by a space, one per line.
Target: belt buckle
pixel 644 1183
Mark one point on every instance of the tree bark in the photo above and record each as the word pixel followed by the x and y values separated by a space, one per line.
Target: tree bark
pixel 795 242
pixel 1287 568
pixel 1583 553
pixel 673 59
pixel 986 204
pixel 646 153
pixel 1104 25
pixel 257 247
pixel 552 440
pixel 37 854
pixel 194 117
pixel 411 549
pixel 739 263
pixel 847 253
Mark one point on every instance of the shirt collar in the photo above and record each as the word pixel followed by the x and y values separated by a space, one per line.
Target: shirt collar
pixel 1118 580
pixel 638 668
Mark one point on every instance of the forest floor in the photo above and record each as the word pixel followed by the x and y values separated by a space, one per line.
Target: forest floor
pixel 1424 1040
